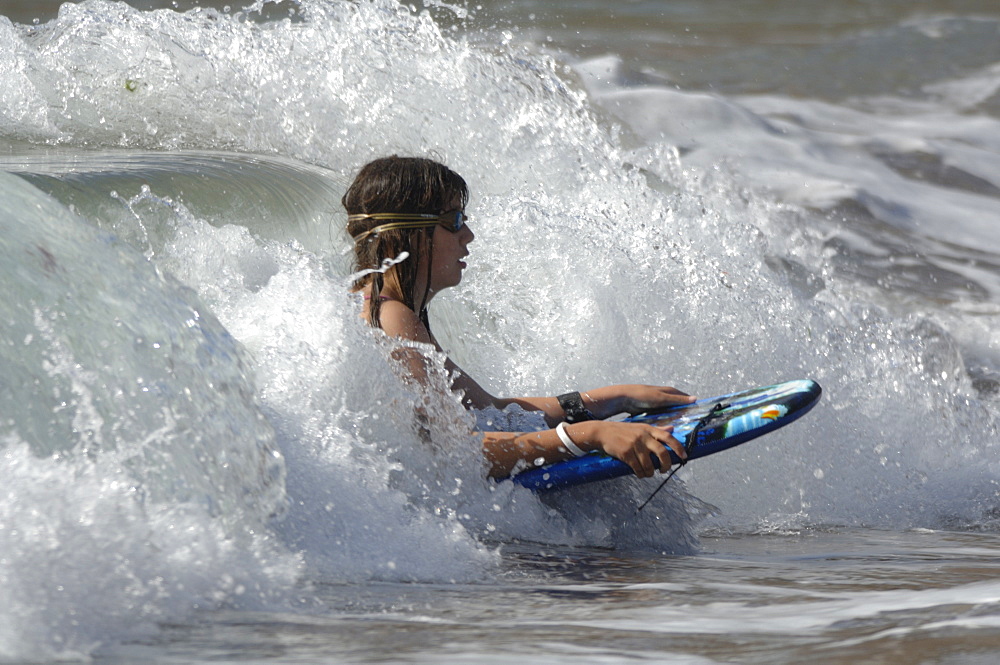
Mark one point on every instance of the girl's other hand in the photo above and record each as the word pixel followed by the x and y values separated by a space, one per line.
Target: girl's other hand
pixel 633 398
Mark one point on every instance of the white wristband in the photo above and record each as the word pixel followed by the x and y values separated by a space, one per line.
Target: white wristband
pixel 568 442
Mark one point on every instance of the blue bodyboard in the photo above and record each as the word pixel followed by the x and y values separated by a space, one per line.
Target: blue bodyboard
pixel 718 423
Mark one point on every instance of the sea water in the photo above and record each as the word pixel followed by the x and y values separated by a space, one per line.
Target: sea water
pixel 207 457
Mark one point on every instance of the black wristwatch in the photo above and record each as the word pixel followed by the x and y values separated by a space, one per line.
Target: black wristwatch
pixel 572 405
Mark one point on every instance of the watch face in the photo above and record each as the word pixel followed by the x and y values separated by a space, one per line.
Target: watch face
pixel 572 406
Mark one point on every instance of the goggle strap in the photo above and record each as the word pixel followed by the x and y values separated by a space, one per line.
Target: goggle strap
pixel 401 216
pixel 396 225
pixel 404 221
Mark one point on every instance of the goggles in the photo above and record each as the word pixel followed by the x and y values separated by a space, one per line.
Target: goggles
pixel 453 220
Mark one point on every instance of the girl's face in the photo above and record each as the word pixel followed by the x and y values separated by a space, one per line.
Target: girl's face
pixel 450 248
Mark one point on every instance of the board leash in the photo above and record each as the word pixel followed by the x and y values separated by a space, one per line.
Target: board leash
pixel 689 442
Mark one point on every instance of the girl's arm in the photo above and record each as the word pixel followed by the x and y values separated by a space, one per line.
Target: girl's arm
pixel 398 320
pixel 606 402
pixel 601 402
pixel 631 443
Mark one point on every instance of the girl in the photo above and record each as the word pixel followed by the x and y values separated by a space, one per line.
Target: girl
pixel 412 211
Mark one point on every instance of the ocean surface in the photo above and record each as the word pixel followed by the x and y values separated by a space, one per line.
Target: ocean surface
pixel 206 456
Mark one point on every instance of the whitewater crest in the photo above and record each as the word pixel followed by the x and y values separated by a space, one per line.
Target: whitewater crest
pixel 134 445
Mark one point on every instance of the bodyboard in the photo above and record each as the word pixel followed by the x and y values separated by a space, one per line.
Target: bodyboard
pixel 718 423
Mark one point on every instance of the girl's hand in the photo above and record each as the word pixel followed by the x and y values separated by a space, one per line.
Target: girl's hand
pixel 633 398
pixel 631 443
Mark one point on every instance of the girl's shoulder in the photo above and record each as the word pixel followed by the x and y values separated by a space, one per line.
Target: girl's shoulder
pixel 398 320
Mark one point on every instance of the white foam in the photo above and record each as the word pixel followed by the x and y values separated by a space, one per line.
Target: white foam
pixel 87 562
pixel 799 612
pixel 139 472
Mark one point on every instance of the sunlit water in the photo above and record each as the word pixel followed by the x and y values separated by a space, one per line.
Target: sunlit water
pixel 208 457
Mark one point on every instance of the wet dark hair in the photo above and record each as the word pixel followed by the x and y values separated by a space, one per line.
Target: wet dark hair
pixel 413 185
